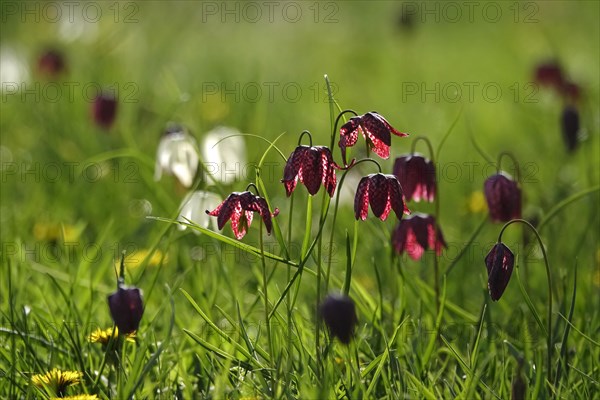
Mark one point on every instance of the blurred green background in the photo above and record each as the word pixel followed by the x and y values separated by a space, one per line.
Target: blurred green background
pixel 259 67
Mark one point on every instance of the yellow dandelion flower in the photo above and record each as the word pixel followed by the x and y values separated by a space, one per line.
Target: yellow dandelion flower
pixel 135 259
pixel 44 231
pixel 103 336
pixel 57 380
pixel 77 397
pixel 476 202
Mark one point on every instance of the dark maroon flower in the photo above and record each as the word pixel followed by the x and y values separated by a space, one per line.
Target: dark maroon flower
pixel 238 207
pixel 374 128
pixel 339 314
pixel 417 177
pixel 570 126
pixel 499 263
pixel 311 166
pixel 503 197
pixel 104 110
pixel 51 63
pixel 549 74
pixel 126 308
pixel 382 192
pixel 417 233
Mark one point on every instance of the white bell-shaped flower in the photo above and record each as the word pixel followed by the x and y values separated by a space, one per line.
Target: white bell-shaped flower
pixel 177 155
pixel 224 155
pixel 194 206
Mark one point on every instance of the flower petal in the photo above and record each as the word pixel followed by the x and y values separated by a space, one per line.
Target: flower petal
pixel 361 199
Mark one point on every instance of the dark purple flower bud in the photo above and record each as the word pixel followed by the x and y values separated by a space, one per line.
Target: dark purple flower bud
pixel 239 207
pixel 374 128
pixel 312 166
pixel 499 263
pixel 383 193
pixel 549 74
pixel 417 233
pixel 126 308
pixel 339 314
pixel 104 110
pixel 518 387
pixel 51 63
pixel 569 121
pixel 503 197
pixel 416 174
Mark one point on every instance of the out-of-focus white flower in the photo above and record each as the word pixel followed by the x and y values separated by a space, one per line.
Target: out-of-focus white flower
pixel 224 160
pixel 194 206
pixel 13 70
pixel 177 155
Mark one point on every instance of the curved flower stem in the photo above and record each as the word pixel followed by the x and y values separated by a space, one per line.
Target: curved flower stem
pixel 565 203
pixel 368 159
pixel 305 132
pixel 255 188
pixel 337 120
pixel 549 277
pixel 515 164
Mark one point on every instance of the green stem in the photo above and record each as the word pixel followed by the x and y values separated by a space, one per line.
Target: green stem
pixel 550 294
pixel 266 297
pixel 464 249
pixel 515 163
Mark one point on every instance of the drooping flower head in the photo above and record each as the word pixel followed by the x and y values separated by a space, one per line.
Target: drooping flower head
pixel 549 74
pixel 417 233
pixel 339 314
pixel 126 308
pixel 312 166
pixel 104 110
pixel 499 263
pixel 570 126
pixel 383 192
pixel 177 155
pixel 503 197
pixel 51 63
pixel 239 208
pixel 417 177
pixel 374 128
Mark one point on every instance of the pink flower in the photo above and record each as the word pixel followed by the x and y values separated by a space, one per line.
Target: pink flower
pixel 416 234
pixel 312 166
pixel 239 207
pixel 374 128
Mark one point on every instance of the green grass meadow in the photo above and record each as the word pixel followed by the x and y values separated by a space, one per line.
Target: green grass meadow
pixel 223 322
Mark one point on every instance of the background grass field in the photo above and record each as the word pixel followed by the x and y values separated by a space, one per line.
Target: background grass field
pixel 74 196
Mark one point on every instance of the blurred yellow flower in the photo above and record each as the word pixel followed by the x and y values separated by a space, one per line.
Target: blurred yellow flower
pixel 46 231
pixel 135 259
pixel 476 202
pixel 77 397
pixel 104 335
pixel 56 380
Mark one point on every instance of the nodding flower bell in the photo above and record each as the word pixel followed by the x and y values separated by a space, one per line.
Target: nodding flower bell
pixel 383 193
pixel 104 110
pixel 339 314
pixel 313 166
pixel 417 177
pixel 499 263
pixel 177 155
pixel 503 197
pixel 570 126
pixel 51 63
pixel 126 308
pixel 374 128
pixel 417 233
pixel 239 208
